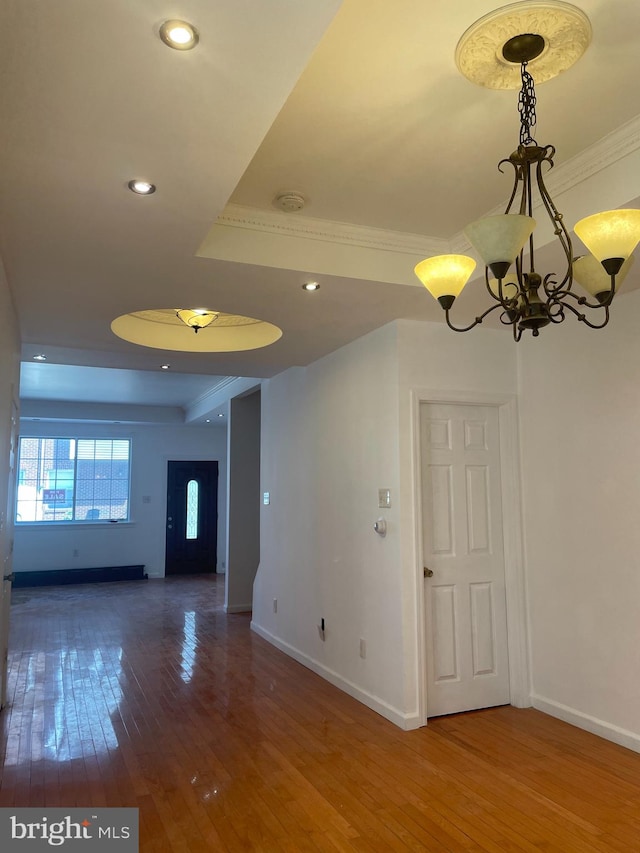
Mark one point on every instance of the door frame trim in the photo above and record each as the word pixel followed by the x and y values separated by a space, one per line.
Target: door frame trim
pixel 514 566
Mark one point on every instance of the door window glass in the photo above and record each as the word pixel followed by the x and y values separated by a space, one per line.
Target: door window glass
pixel 192 509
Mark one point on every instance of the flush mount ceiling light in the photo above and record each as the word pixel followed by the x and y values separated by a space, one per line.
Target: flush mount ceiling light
pixel 162 328
pixel 496 52
pixel 179 35
pixel 40 357
pixel 141 187
pixel 165 366
pixel 311 286
pixel 197 318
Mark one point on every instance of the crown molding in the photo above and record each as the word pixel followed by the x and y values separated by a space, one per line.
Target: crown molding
pixel 222 392
pixel 607 151
pixel 207 395
pixel 308 228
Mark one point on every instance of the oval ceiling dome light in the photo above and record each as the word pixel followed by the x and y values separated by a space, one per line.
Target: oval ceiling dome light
pixel 311 286
pixel 162 328
pixel 179 35
pixel 141 187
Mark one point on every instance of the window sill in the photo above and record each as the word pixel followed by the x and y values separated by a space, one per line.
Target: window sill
pixel 53 525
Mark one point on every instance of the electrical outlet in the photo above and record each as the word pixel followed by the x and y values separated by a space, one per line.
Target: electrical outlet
pixel 275 605
pixel 363 648
pixel 321 630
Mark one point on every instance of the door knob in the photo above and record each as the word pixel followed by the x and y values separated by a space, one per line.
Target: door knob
pixel 428 573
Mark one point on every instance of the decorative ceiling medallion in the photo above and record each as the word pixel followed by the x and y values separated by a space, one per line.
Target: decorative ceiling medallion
pixel 161 328
pixel 566 31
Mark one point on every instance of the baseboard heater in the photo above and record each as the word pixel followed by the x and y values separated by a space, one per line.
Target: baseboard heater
pixel 57 577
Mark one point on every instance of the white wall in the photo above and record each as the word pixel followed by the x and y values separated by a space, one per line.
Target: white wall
pixel 9 382
pixel 9 385
pixel 580 438
pixel 243 541
pixel 329 442
pixel 333 434
pixel 40 548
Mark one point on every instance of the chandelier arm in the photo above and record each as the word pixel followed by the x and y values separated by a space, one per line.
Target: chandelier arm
pixel 556 218
pixel 527 208
pixel 496 296
pixel 596 325
pixel 516 181
pixel 582 318
pixel 507 320
pixel 582 300
pixel 475 323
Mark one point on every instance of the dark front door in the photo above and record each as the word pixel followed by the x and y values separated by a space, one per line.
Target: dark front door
pixel 192 517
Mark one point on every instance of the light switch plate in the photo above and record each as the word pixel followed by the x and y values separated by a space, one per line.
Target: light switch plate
pixel 384 498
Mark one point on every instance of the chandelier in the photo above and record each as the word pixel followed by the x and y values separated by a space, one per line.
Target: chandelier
pixel 522 297
pixel 197 318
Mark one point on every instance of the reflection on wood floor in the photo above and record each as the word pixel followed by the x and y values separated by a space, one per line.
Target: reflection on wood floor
pixel 148 695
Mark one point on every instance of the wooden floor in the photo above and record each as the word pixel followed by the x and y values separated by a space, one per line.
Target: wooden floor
pixel 145 694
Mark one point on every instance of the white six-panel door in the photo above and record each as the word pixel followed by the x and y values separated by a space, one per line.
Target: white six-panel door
pixel 465 607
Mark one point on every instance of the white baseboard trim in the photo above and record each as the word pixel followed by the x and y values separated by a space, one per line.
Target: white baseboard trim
pixel 623 737
pixel 238 608
pixel 404 721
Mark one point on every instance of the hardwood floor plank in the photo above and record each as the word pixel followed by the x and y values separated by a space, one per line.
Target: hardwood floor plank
pixel 149 695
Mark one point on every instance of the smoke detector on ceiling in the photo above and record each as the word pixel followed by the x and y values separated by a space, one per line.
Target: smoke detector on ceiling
pixel 289 201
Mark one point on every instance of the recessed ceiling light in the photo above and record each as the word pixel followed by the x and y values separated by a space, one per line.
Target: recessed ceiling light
pixel 40 357
pixel 220 415
pixel 141 187
pixel 311 286
pixel 179 34
pixel 208 421
pixel 165 366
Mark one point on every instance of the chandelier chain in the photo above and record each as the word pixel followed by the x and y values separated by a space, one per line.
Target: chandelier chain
pixel 527 107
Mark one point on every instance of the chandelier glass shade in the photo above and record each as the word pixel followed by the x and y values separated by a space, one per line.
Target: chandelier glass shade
pixel 522 297
pixel 197 318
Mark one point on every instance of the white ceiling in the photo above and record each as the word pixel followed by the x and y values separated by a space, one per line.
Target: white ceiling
pixel 363 113
pixel 113 385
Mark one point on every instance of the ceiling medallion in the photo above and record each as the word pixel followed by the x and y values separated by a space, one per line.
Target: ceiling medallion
pixel 524 298
pixel 564 29
pixel 164 328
